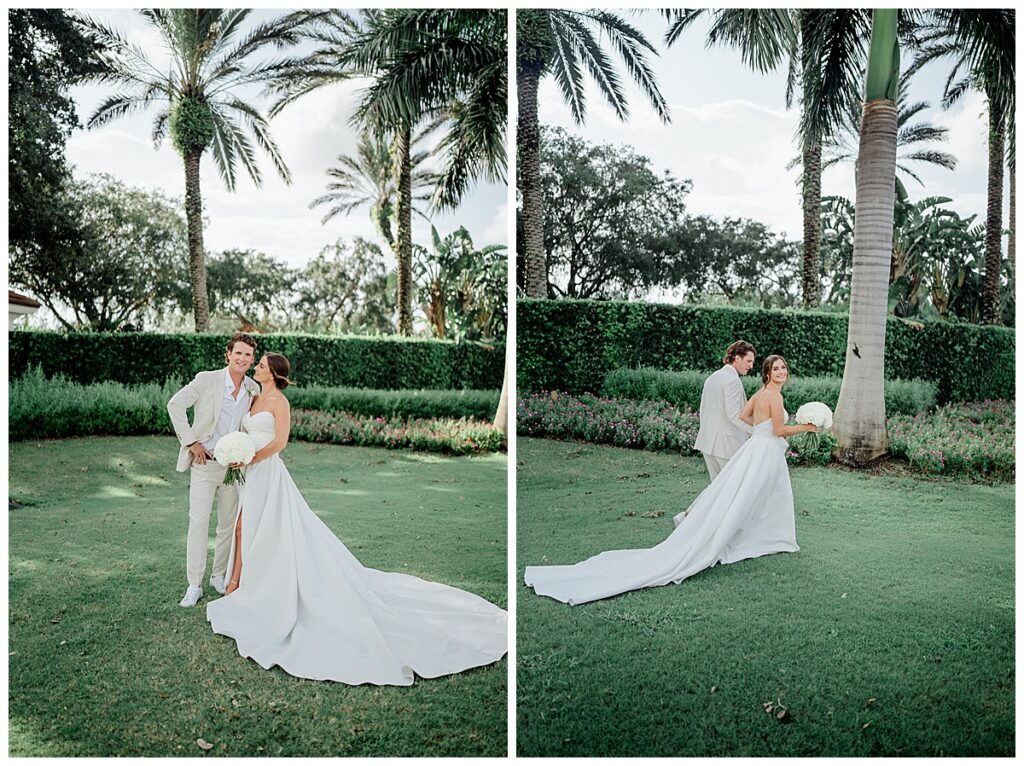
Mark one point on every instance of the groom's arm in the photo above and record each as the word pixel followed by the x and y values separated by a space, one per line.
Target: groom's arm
pixel 734 402
pixel 177 407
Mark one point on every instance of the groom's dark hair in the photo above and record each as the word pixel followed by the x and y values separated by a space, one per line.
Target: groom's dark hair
pixel 241 337
pixel 738 349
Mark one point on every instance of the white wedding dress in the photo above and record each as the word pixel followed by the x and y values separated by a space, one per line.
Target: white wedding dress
pixel 747 511
pixel 305 602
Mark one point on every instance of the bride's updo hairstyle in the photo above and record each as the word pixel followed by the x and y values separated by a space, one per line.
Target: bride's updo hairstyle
pixel 279 369
pixel 766 368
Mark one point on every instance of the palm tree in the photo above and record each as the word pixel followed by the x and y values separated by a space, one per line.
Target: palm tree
pixel 198 101
pixel 982 43
pixel 367 179
pixel 820 45
pixel 563 43
pixel 909 137
pixel 859 423
pixel 423 64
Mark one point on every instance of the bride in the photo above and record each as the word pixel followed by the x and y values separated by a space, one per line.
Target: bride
pixel 747 511
pixel 298 598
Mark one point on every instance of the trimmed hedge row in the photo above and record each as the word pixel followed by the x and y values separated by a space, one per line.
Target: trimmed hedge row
pixel 570 345
pixel 481 405
pixel 59 408
pixel 683 389
pixel 317 360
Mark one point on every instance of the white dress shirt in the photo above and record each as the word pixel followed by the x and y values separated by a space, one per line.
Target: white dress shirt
pixel 231 411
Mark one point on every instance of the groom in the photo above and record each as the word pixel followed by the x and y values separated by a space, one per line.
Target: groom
pixel 721 401
pixel 220 397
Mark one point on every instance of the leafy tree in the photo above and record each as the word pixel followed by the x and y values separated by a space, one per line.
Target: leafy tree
pixel 251 287
pixel 200 101
pixel 563 43
pixel 609 218
pixel 127 267
pixel 739 259
pixel 47 53
pixel 346 289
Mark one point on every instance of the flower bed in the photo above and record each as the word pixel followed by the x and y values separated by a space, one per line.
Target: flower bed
pixel 974 441
pixel 971 441
pixel 465 436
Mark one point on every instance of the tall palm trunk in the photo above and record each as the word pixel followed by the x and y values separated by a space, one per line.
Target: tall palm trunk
pixel 811 179
pixel 403 140
pixel 528 158
pixel 196 254
pixel 859 424
pixel 994 214
pixel 1011 246
pixel 812 225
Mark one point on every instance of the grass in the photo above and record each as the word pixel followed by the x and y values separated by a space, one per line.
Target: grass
pixel 104 662
pixel 890 633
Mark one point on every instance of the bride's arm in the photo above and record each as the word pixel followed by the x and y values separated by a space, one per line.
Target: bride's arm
pixel 282 427
pixel 778 422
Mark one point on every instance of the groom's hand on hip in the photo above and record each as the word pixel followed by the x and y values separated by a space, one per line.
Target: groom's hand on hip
pixel 199 453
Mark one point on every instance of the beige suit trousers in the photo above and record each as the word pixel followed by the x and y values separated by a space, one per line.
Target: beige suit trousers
pixel 715 464
pixel 206 483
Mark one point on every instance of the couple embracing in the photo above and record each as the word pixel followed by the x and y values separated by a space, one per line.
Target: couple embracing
pixel 295 596
pixel 746 511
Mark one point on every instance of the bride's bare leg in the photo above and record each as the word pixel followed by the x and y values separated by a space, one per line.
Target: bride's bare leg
pixel 236 567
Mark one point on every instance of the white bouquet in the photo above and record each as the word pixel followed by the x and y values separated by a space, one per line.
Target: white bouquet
pixel 236 447
pixel 818 414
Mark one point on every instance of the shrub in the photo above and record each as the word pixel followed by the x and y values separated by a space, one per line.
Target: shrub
pixel 619 422
pixel 683 389
pixel 59 408
pixel 570 345
pixel 317 360
pixel 398 404
pixel 973 441
pixel 456 437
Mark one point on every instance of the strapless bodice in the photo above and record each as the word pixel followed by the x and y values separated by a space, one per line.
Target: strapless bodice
pixel 764 428
pixel 260 427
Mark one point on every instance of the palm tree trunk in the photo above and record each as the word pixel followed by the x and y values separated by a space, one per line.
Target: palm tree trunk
pixel 528 158
pixel 403 140
pixel 1011 246
pixel 859 424
pixel 994 215
pixel 196 254
pixel 812 225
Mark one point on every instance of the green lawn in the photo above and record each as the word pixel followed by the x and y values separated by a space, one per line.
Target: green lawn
pixel 890 633
pixel 104 662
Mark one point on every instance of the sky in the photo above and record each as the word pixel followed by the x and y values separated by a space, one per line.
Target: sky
pixel 733 136
pixel 274 219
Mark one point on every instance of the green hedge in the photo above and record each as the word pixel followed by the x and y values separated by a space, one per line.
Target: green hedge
pixel 481 405
pixel 41 408
pixel 317 360
pixel 683 389
pixel 571 345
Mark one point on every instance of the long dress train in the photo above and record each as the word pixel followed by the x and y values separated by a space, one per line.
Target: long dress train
pixel 306 603
pixel 747 511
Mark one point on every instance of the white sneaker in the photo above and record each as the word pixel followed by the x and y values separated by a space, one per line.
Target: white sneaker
pixel 192 595
pixel 218 584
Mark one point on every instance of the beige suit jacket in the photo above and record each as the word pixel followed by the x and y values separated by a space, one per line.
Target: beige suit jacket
pixel 721 401
pixel 205 393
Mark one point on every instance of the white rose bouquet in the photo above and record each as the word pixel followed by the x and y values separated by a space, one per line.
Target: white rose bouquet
pixel 818 414
pixel 234 448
